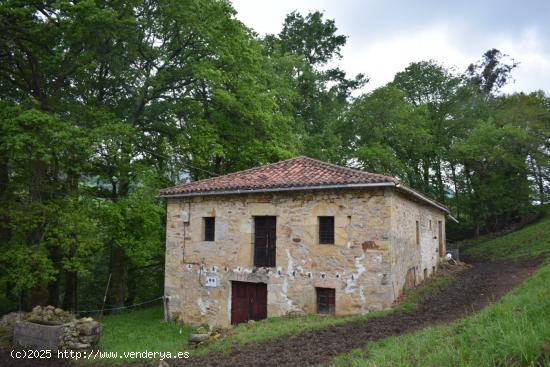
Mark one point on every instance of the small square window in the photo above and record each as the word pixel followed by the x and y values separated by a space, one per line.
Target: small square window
pixel 326 230
pixel 209 228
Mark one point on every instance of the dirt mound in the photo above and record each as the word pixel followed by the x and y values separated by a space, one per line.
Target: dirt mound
pixel 474 288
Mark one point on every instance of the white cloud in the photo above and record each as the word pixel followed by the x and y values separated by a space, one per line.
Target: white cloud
pixel 382 48
pixel 533 72
pixel 383 58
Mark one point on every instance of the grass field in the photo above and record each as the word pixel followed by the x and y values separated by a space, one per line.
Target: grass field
pixel 141 330
pixel 512 332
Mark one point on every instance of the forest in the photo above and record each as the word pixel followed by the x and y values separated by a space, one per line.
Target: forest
pixel 102 103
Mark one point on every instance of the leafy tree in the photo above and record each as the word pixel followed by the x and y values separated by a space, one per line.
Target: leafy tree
pixel 98 91
pixel 322 93
pixel 387 134
pixel 492 72
pixel 430 85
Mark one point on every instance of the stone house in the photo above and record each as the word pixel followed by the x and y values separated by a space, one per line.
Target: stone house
pixel 297 236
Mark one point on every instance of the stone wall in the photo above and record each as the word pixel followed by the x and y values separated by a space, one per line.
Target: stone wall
pixel 357 265
pixel 406 254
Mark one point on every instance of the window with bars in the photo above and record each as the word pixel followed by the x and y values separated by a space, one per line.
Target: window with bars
pixel 209 228
pixel 326 230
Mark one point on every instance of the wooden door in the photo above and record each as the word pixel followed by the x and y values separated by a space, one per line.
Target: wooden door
pixel 248 301
pixel 265 238
pixel 326 300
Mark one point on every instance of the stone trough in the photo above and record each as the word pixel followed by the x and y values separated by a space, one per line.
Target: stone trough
pixel 39 336
pixel 63 332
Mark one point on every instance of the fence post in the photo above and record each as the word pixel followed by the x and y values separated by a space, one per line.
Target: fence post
pixel 165 303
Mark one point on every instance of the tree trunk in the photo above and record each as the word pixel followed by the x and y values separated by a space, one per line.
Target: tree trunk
pixel 132 287
pixel 455 183
pixel 5 231
pixel 70 297
pixel 54 286
pixel 117 291
pixel 439 178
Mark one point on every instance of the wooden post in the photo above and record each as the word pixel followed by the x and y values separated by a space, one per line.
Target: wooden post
pixel 165 303
pixel 105 296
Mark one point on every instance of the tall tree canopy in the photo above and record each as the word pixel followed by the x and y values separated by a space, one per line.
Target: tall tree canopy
pixel 95 97
pixel 322 92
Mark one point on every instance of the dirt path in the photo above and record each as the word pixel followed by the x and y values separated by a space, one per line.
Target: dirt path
pixel 473 289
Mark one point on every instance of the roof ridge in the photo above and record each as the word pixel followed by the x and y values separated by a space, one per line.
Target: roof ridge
pixel 234 173
pixel 355 170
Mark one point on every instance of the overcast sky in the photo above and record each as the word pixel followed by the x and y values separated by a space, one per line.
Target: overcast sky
pixel 385 36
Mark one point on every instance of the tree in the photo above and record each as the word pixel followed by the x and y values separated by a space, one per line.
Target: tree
pixel 322 93
pixel 430 85
pixel 110 90
pixel 492 72
pixel 386 134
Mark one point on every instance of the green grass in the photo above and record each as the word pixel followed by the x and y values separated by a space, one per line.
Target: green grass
pixel 141 330
pixel 531 241
pixel 512 332
pixel 413 297
pixel 279 326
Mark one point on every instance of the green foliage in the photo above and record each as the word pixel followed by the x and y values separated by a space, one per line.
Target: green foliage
pixel 125 99
pixel 387 134
pixel 484 155
pixel 304 46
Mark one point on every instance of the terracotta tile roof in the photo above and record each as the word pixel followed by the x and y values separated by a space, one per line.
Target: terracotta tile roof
pixel 297 172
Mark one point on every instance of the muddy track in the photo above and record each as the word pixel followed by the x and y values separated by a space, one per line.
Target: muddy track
pixel 473 289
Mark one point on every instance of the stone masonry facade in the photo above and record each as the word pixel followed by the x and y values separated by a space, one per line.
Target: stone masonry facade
pixel 376 251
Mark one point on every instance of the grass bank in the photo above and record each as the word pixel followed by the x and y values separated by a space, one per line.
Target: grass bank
pixel 530 241
pixel 141 330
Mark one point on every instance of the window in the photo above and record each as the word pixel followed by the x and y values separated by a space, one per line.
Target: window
pixel 441 240
pixel 209 228
pixel 326 300
pixel 417 233
pixel 326 230
pixel 265 241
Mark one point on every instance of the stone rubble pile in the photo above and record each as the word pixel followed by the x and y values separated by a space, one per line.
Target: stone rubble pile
pixel 202 335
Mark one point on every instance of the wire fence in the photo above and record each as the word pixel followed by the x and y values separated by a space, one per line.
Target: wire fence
pixel 121 308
